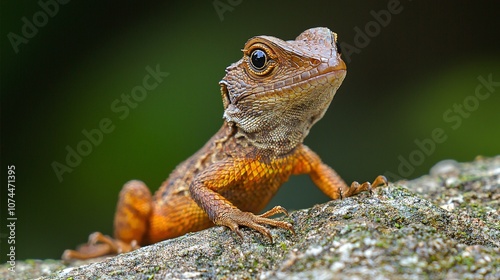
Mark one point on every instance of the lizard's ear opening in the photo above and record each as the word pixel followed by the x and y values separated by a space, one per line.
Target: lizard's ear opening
pixel 226 100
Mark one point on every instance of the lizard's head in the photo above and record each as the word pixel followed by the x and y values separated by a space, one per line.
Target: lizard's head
pixel 279 89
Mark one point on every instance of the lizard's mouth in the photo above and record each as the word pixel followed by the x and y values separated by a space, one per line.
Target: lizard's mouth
pixel 324 75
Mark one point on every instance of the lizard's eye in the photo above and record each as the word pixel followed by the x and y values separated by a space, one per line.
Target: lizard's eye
pixel 261 60
pixel 258 59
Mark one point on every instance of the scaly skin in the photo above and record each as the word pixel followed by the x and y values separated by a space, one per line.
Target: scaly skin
pixel 271 98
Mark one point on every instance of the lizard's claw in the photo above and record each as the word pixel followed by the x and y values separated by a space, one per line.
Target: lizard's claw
pixel 380 181
pixel 97 246
pixel 234 218
pixel 356 188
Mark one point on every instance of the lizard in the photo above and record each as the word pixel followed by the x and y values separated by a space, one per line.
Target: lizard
pixel 271 98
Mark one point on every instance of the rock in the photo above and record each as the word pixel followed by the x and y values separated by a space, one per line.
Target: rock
pixel 445 225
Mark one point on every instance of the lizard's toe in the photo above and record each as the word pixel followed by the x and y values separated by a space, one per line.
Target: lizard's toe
pixel 235 218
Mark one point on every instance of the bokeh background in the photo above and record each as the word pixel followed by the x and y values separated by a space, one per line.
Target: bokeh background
pixel 423 63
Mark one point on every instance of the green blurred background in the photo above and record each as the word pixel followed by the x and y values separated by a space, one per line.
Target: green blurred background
pixel 424 62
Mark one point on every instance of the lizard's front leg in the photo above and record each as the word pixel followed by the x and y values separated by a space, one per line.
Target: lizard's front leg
pixel 328 180
pixel 131 217
pixel 204 191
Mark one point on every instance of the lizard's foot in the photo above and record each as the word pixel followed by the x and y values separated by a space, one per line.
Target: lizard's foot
pixel 356 188
pixel 234 218
pixel 97 246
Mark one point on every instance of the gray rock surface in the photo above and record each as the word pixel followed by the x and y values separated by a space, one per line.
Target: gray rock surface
pixel 442 226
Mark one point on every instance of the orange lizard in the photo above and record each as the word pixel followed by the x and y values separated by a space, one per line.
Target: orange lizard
pixel 272 97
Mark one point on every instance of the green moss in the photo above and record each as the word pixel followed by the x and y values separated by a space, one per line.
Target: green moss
pixel 469 261
pixel 382 244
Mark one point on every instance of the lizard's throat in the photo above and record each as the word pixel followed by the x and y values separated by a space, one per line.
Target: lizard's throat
pixel 279 126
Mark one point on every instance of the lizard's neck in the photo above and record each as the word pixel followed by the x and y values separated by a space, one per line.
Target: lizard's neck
pixel 280 128
pixel 278 140
pixel 265 144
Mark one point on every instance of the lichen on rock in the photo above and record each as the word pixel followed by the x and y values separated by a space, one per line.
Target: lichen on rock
pixel 445 225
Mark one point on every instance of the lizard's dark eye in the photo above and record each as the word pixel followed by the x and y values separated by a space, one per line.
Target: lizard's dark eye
pixel 261 60
pixel 258 58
